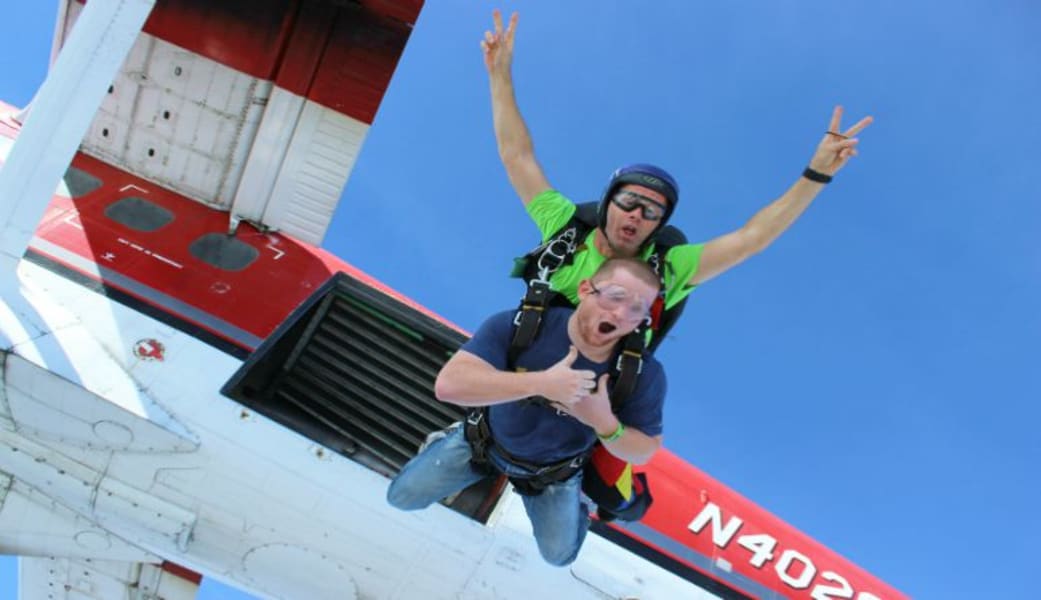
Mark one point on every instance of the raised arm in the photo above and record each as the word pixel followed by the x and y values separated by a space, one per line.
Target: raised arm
pixel 726 251
pixel 515 147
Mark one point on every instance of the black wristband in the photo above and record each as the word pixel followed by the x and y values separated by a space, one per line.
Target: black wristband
pixel 817 176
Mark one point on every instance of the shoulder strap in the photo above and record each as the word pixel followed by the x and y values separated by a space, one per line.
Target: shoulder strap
pixel 586 213
pixel 666 320
pixel 668 237
pixel 629 364
pixel 528 319
pixel 662 320
pixel 627 368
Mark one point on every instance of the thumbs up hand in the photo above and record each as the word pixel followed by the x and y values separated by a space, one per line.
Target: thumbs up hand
pixel 564 385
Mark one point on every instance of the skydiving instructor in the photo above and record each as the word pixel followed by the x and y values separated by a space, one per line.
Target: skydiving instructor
pixel 639 199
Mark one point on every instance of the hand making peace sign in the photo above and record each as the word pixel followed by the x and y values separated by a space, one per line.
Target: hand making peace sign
pixel 837 146
pixel 498 46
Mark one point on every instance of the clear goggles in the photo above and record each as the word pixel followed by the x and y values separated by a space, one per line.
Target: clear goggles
pixel 612 296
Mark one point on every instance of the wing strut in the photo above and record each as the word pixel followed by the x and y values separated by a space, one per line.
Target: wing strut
pixel 62 110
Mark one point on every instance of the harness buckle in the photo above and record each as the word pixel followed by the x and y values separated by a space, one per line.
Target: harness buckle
pixel 535 299
pixel 542 283
pixel 544 274
pixel 523 310
pixel 625 353
pixel 556 250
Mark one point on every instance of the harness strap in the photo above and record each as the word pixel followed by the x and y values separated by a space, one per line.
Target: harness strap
pixel 628 367
pixel 479 436
pixel 529 317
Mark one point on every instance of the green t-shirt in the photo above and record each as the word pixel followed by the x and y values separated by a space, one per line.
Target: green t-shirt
pixel 551 210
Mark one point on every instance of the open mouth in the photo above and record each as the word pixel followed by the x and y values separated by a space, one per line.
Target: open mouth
pixel 605 327
pixel 629 230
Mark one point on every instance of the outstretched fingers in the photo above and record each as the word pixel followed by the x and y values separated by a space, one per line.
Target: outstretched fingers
pixel 836 119
pixel 497 20
pixel 861 124
pixel 511 29
pixel 834 127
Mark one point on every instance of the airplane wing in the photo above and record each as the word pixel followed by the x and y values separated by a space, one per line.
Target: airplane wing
pixel 64 555
pixel 261 116
pixel 82 579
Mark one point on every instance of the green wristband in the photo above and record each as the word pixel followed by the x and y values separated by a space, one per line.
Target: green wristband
pixel 617 433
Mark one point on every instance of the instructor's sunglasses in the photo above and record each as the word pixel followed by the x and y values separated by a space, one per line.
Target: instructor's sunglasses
pixel 650 209
pixel 613 296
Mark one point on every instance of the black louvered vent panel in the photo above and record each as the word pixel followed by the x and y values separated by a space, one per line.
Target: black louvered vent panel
pixel 366 378
pixel 354 370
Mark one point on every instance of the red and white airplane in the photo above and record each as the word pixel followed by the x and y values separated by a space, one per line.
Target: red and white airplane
pixel 192 387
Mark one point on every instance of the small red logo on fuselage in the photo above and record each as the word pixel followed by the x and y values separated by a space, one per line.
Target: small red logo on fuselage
pixel 149 349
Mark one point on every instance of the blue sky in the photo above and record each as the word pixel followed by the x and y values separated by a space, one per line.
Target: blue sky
pixel 871 378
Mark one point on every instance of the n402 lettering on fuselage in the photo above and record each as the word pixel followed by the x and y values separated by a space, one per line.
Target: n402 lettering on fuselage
pixel 763 547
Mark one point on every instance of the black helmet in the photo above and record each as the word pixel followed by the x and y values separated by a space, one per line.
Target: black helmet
pixel 648 176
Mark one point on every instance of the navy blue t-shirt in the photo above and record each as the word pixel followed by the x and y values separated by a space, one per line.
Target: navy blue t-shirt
pixel 538 433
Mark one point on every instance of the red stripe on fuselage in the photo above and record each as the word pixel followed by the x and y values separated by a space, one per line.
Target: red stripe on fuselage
pixel 255 299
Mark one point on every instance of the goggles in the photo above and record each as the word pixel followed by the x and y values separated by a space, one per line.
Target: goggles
pixel 613 296
pixel 650 209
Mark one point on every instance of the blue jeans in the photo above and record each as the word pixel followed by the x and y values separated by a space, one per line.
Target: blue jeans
pixel 558 516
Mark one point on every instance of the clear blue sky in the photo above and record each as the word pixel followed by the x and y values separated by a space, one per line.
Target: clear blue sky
pixel 872 377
